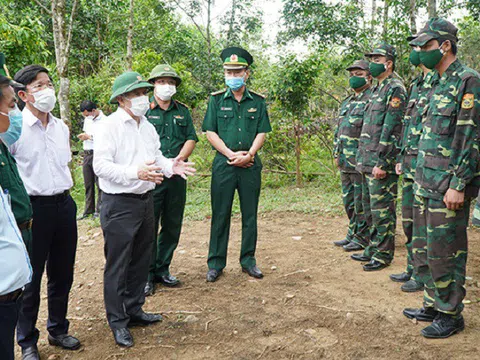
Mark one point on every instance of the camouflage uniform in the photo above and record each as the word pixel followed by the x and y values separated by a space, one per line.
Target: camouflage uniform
pixel 347 133
pixel 381 131
pixel 448 158
pixel 476 214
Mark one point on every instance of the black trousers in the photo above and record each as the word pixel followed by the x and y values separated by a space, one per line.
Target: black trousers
pixel 129 232
pixel 8 321
pixel 54 234
pixel 90 180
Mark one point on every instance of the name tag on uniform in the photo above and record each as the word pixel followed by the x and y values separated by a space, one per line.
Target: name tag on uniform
pixel 153 117
pixel 226 108
pixel 252 110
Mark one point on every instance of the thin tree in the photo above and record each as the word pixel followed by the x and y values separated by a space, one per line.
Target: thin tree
pixel 130 37
pixel 374 11
pixel 385 19
pixel 432 8
pixel 413 16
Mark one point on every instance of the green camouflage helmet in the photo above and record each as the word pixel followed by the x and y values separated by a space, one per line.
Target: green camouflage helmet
pixel 164 70
pixel 383 49
pixel 434 29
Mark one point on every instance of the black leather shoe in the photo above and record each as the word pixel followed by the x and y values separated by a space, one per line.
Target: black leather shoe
pixel 352 247
pixel 168 280
pixel 64 341
pixel 444 326
pixel 144 318
pixel 30 353
pixel 253 271
pixel 123 337
pixel 212 275
pixel 374 265
pixel 403 277
pixel 360 257
pixel 422 314
pixel 412 286
pixel 341 242
pixel 149 288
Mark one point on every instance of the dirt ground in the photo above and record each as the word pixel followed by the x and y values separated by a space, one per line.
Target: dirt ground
pixel 313 303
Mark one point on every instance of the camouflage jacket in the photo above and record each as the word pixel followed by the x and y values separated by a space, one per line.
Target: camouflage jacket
pixel 382 127
pixel 448 151
pixel 349 127
pixel 420 92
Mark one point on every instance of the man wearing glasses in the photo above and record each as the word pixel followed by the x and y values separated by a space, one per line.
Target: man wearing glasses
pixel 42 154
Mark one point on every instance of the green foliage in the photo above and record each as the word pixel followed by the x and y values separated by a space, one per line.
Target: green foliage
pixel 469 34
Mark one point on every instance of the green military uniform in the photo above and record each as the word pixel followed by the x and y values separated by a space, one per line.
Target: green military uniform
pixel 174 127
pixel 347 134
pixel 448 158
pixel 419 96
pixel 378 146
pixel 237 124
pixel 22 208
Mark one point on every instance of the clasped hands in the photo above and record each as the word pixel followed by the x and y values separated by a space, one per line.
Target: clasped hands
pixel 241 159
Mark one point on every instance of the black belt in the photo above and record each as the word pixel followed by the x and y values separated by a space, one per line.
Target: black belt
pixel 132 196
pixel 26 225
pixel 13 296
pixel 88 152
pixel 52 198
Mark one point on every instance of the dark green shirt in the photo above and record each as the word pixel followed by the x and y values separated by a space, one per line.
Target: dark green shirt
pixel 237 123
pixel 10 180
pixel 174 126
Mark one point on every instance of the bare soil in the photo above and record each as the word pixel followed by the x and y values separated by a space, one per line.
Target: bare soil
pixel 314 302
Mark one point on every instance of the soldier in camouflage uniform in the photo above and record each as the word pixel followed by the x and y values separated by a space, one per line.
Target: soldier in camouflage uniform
pixel 446 179
pixel 376 157
pixel 419 95
pixel 346 137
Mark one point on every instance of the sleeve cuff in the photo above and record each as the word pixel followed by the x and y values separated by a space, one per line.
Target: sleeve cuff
pixel 457 184
pixel 168 169
pixel 132 173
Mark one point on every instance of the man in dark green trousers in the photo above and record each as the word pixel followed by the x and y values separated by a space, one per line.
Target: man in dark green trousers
pixel 173 123
pixel 236 124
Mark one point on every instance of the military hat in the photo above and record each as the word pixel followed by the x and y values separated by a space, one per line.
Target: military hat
pixel 127 82
pixel 359 64
pixel 236 58
pixel 383 49
pixel 434 29
pixel 164 70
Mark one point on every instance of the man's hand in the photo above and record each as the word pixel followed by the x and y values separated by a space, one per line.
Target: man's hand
pixel 84 136
pixel 398 169
pixel 241 159
pixel 379 173
pixel 150 172
pixel 183 168
pixel 454 199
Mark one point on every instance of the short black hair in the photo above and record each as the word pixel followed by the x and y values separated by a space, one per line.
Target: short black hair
pixel 454 44
pixel 28 74
pixel 87 105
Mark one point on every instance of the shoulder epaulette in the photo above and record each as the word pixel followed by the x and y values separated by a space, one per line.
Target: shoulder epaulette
pixel 179 102
pixel 255 93
pixel 468 73
pixel 219 92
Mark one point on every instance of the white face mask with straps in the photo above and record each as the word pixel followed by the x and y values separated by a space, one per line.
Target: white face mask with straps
pixel 45 100
pixel 165 92
pixel 139 105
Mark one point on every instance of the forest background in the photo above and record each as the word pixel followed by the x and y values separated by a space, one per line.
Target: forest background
pixel 87 43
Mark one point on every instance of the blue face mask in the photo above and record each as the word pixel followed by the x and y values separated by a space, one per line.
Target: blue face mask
pixel 14 131
pixel 235 83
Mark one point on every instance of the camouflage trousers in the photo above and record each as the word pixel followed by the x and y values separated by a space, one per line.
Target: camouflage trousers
pixel 358 230
pixel 440 253
pixel 476 213
pixel 379 202
pixel 407 221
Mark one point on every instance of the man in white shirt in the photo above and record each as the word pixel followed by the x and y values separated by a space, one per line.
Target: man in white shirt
pixel 92 116
pixel 128 161
pixel 42 154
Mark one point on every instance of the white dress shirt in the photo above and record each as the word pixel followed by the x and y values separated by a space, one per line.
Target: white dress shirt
pixel 89 128
pixel 15 268
pixel 121 147
pixel 42 155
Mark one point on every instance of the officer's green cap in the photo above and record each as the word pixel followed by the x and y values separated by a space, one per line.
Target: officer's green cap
pixel 236 58
pixel 434 29
pixel 383 49
pixel 359 64
pixel 164 70
pixel 127 82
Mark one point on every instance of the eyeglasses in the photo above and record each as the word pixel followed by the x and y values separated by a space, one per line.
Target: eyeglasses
pixel 40 87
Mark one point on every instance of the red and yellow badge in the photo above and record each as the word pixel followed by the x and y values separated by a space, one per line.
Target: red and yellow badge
pixel 468 101
pixel 396 102
pixel 234 58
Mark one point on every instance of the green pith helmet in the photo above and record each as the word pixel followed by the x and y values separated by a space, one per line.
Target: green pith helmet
pixel 236 58
pixel 164 70
pixel 383 49
pixel 434 29
pixel 127 82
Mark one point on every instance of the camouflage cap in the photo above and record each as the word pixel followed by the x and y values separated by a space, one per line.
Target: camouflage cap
pixel 434 29
pixel 359 64
pixel 383 49
pixel 422 30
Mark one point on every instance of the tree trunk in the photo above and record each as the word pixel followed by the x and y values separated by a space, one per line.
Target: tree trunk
pixel 130 38
pixel 298 152
pixel 432 8
pixel 374 13
pixel 413 16
pixel 209 45
pixel 385 19
pixel 232 20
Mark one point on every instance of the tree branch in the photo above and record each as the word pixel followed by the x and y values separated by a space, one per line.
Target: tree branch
pixel 70 27
pixel 44 8
pixel 191 18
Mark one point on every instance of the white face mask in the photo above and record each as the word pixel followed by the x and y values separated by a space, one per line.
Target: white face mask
pixel 165 92
pixel 139 105
pixel 45 100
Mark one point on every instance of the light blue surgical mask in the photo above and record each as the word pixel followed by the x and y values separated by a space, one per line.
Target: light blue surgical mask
pixel 235 83
pixel 14 131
